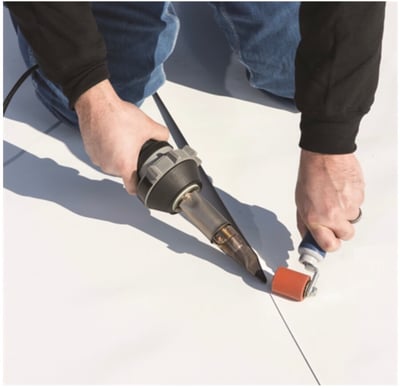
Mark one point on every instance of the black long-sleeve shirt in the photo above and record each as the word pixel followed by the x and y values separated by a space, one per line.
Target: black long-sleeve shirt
pixel 337 61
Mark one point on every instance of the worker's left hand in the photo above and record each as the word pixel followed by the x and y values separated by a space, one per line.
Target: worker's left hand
pixel 329 193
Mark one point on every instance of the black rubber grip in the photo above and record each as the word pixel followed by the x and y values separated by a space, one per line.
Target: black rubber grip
pixel 148 149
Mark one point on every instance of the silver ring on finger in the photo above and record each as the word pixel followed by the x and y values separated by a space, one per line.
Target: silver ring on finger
pixel 358 218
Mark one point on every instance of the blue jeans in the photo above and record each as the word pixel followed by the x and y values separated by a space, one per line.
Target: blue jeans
pixel 264 35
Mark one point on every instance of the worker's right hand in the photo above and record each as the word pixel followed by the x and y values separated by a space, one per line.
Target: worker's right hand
pixel 114 131
pixel 329 193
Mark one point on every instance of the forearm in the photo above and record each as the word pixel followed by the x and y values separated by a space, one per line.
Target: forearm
pixel 96 100
pixel 337 67
pixel 66 43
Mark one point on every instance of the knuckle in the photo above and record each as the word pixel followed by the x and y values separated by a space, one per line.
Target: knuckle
pixel 106 168
pixel 348 235
pixel 333 213
pixel 123 168
pixel 95 160
pixel 326 238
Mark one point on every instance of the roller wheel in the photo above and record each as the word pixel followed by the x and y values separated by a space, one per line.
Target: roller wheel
pixel 290 284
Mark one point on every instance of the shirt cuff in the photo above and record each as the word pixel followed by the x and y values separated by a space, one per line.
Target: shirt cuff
pixel 76 86
pixel 329 137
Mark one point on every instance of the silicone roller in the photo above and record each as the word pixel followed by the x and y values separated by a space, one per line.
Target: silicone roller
pixel 296 285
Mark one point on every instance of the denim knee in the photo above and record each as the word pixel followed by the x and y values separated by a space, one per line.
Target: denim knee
pixel 265 36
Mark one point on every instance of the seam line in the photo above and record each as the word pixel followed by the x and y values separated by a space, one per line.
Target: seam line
pixel 294 340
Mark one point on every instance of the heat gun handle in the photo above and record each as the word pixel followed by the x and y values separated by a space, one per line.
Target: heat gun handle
pixel 309 246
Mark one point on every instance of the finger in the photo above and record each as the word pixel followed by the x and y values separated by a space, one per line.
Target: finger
pixel 301 227
pixel 358 218
pixel 343 229
pixel 130 183
pixel 352 204
pixel 160 132
pixel 334 220
pixel 325 238
pixel 355 216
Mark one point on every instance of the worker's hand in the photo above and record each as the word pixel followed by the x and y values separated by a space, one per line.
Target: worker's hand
pixel 113 132
pixel 329 193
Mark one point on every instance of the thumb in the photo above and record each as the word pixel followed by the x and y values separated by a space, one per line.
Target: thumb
pixel 130 183
pixel 160 132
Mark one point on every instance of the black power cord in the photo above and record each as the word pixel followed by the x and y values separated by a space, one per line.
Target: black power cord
pixel 17 85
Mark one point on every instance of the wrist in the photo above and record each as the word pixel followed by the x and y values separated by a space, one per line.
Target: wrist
pixel 306 155
pixel 96 99
pixel 313 165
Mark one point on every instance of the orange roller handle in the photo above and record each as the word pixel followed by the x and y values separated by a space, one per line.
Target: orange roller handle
pixel 290 284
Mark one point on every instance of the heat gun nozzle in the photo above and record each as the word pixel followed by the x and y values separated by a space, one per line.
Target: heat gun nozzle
pixel 233 244
pixel 219 231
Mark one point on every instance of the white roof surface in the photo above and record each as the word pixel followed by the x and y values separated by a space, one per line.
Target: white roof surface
pixel 99 290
